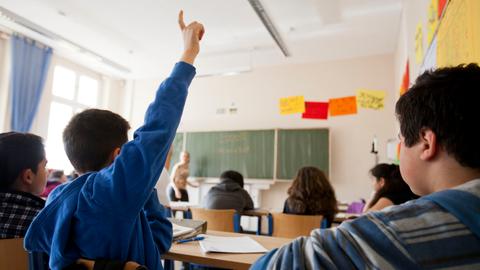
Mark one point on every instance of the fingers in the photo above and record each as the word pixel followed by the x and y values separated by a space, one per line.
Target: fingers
pixel 201 32
pixel 181 23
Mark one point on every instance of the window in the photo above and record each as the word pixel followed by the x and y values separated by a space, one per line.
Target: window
pixel 72 92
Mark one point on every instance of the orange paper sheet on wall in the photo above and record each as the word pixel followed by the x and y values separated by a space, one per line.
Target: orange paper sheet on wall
pixel 343 106
pixel 291 105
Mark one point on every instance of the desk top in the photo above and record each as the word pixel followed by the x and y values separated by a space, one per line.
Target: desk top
pixel 256 212
pixel 191 252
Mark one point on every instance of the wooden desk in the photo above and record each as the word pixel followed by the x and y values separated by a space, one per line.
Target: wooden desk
pixel 191 252
pixel 180 206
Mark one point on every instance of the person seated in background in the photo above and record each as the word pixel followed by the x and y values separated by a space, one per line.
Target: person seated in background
pixel 228 194
pixel 388 188
pixel 111 210
pixel 177 190
pixel 55 178
pixel 311 194
pixel 440 161
pixel 22 179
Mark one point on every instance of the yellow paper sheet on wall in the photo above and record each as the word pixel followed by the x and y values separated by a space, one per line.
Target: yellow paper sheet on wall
pixel 432 20
pixel 459 34
pixel 342 106
pixel 291 105
pixel 419 44
pixel 371 99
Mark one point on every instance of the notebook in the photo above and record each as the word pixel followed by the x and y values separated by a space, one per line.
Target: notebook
pixel 225 244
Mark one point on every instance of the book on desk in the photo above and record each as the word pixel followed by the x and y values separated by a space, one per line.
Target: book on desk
pixel 187 228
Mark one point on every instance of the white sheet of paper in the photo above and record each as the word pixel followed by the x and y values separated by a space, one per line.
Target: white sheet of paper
pixel 225 244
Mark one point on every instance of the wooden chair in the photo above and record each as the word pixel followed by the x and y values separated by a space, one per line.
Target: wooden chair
pixel 292 226
pixel 12 254
pixel 218 220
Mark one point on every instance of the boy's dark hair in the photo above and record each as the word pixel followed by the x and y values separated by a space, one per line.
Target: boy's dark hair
pixel 18 152
pixel 91 136
pixel 445 101
pixel 232 175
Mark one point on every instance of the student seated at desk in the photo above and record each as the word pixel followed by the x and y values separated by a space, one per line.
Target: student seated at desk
pixel 389 188
pixel 111 210
pixel 22 179
pixel 311 194
pixel 439 160
pixel 228 194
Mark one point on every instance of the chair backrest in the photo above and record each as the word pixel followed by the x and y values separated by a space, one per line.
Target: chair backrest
pixel 292 226
pixel 218 220
pixel 12 254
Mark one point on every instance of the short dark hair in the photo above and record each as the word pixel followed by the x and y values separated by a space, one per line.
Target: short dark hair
pixel 232 175
pixel 18 152
pixel 91 136
pixel 445 101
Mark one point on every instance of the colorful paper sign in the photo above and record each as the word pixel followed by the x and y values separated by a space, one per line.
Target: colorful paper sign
pixel 419 44
pixel 290 105
pixel 432 20
pixel 343 106
pixel 405 80
pixel 370 99
pixel 459 34
pixel 315 110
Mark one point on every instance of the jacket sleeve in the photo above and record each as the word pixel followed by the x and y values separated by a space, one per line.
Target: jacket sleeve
pixel 160 226
pixel 124 186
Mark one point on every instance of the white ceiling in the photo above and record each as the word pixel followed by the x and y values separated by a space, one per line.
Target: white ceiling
pixel 143 35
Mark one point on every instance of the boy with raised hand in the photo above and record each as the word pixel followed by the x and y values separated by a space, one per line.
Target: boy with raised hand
pixel 111 210
pixel 22 179
pixel 440 160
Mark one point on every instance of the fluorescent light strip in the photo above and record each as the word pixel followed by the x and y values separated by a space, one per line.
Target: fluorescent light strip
pixel 267 22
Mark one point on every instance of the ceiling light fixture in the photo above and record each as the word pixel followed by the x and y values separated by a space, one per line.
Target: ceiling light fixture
pixel 268 23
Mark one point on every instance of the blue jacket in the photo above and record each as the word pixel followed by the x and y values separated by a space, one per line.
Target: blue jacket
pixel 115 213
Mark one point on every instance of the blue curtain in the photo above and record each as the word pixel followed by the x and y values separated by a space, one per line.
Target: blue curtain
pixel 30 62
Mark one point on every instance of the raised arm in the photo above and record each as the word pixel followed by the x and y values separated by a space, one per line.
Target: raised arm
pixel 129 181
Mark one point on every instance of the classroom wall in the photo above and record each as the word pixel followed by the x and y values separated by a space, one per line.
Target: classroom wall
pixel 256 94
pixel 413 12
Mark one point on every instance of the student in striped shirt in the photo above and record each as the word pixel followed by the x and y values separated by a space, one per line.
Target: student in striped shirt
pixel 439 160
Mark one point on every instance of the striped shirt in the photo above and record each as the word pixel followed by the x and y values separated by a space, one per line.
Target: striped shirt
pixel 419 234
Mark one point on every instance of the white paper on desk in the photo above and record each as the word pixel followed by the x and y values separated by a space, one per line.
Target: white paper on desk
pixel 225 244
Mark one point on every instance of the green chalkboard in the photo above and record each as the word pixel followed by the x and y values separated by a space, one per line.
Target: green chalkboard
pixel 177 149
pixel 248 152
pixel 302 147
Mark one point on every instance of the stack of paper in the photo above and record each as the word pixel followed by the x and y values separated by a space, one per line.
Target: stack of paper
pixel 243 244
pixel 180 230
